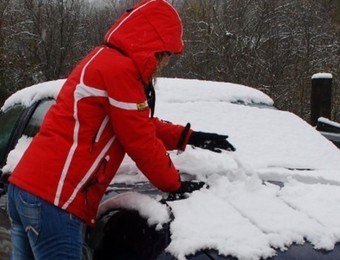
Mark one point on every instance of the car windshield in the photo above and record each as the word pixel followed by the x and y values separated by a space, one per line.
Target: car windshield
pixel 8 121
pixel 34 123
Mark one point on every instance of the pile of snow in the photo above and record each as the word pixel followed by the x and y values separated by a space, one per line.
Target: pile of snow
pixel 241 213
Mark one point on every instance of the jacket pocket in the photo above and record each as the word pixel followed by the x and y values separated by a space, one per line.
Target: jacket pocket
pixel 29 207
pixel 98 176
pixel 96 137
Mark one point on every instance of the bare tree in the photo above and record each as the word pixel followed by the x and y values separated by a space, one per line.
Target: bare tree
pixel 272 45
pixel 3 90
pixel 275 46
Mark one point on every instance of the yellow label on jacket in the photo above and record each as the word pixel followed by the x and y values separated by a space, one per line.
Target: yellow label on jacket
pixel 142 106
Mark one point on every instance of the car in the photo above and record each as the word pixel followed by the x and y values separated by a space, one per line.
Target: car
pixel 276 197
pixel 329 129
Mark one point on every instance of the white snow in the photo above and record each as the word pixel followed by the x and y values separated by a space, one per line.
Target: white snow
pixel 241 213
pixel 327 121
pixel 29 95
pixel 156 213
pixel 322 75
pixel 15 155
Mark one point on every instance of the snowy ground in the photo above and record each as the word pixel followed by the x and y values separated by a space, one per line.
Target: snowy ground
pixel 241 214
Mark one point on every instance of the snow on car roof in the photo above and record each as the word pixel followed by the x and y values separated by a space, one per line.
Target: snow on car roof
pixel 241 213
pixel 191 90
pixel 27 96
pixel 197 88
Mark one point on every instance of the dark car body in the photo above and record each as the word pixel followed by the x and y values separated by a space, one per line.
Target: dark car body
pixel 329 129
pixel 121 233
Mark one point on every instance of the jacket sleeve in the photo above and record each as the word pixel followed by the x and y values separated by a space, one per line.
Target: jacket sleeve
pixel 137 133
pixel 173 136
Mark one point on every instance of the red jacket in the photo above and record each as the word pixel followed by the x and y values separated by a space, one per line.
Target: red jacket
pixel 102 113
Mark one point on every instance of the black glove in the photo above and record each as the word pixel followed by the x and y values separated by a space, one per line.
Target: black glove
pixel 186 187
pixel 211 141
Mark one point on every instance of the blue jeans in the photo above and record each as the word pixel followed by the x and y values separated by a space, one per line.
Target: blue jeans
pixel 40 230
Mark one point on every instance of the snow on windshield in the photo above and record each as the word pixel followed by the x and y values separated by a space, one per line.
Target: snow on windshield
pixel 241 213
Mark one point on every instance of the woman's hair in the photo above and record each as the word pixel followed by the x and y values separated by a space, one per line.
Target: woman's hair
pixel 160 56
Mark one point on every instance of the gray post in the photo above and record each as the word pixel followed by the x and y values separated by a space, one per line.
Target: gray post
pixel 321 97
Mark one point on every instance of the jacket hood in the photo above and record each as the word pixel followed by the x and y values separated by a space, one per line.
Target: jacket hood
pixel 149 27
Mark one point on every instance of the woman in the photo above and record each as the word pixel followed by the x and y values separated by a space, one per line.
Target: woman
pixel 102 112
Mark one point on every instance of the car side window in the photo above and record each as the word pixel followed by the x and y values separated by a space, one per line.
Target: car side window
pixel 36 119
pixel 8 122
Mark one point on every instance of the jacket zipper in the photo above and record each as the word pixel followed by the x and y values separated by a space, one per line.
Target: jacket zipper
pixel 99 133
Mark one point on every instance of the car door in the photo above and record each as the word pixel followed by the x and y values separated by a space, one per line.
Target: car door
pixel 19 120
